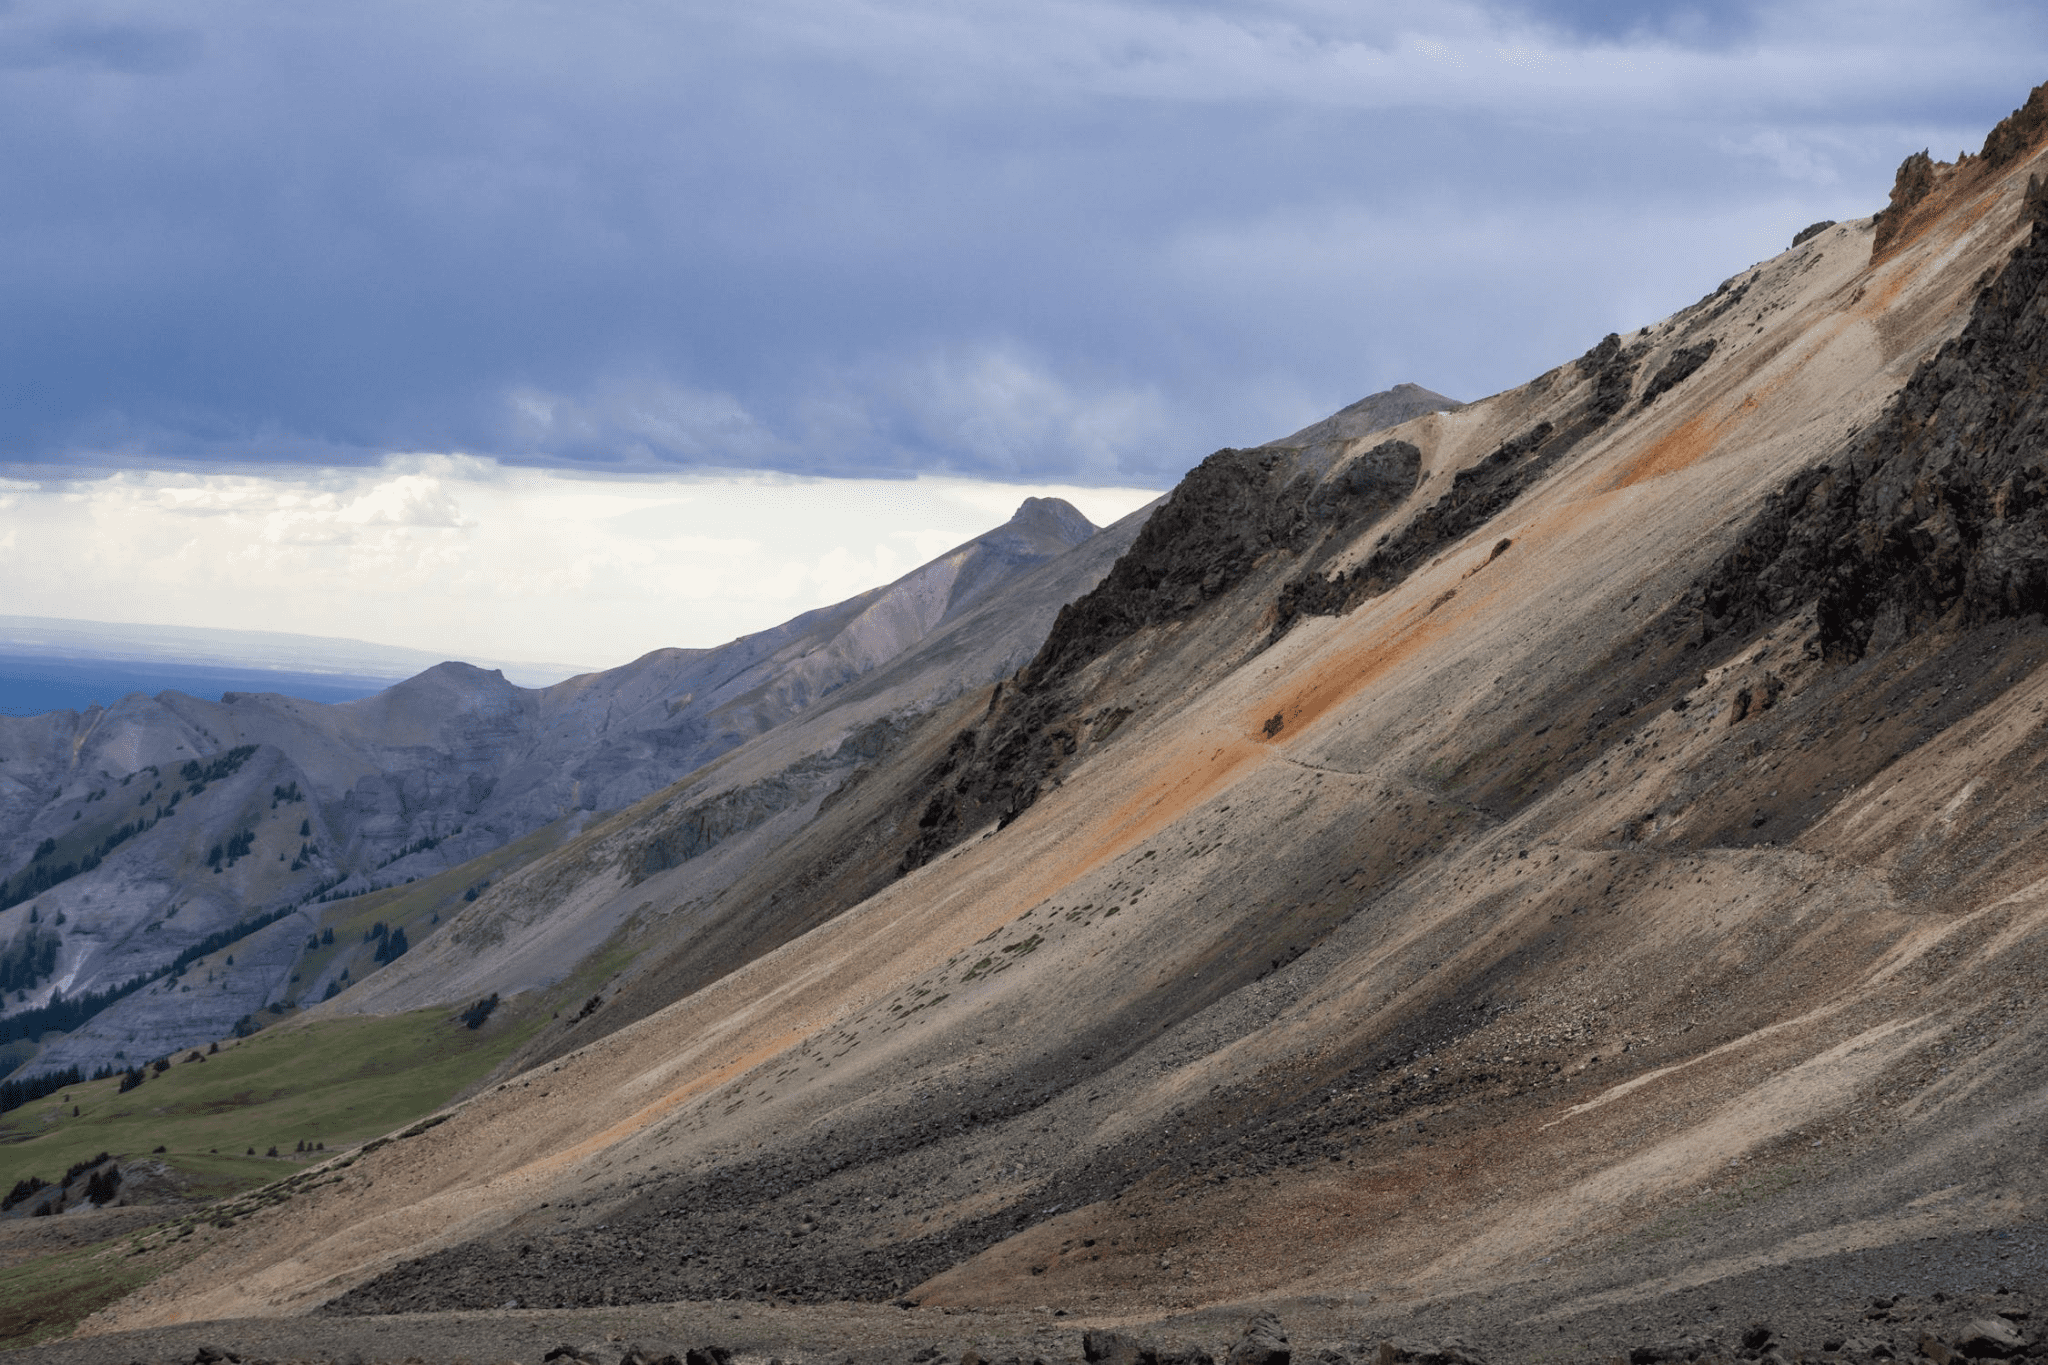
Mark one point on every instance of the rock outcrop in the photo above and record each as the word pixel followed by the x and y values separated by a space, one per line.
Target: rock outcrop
pixel 1938 512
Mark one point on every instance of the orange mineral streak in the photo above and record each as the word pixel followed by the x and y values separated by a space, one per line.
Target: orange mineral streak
pixel 1193 773
pixel 1685 445
pixel 1876 303
pixel 1340 677
pixel 1182 781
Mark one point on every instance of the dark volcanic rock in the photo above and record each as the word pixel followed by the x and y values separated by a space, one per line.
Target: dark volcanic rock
pixel 1807 234
pixel 1477 494
pixel 1219 521
pixel 1114 1348
pixel 1263 1342
pixel 1937 513
pixel 1370 483
pixel 2019 132
pixel 1612 368
pixel 1682 365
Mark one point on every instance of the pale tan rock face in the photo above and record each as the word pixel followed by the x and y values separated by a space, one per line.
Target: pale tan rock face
pixel 1502 929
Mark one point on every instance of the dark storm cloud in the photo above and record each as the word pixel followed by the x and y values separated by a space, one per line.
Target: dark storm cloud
pixel 1086 241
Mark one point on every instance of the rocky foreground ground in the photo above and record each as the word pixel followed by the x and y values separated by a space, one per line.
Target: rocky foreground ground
pixel 1966 1295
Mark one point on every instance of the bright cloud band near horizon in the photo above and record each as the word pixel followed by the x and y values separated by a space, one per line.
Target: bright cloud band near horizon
pixel 467 558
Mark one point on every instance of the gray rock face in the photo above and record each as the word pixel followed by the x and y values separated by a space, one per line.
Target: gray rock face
pixel 1263 1342
pixel 107 818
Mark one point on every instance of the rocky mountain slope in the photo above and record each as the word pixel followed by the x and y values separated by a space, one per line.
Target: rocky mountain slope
pixel 193 849
pixel 1575 854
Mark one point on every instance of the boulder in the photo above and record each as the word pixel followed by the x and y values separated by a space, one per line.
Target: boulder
pixel 1263 1342
pixel 1935 1349
pixel 1102 1347
pixel 1990 1338
pixel 1413 1353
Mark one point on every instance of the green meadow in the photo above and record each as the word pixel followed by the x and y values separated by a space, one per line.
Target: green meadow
pixel 331 1081
pixel 48 1297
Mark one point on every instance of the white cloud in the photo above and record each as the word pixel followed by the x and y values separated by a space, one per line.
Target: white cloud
pixel 469 558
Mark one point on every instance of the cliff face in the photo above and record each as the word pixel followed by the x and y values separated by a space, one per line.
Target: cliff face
pixel 1935 515
pixel 1571 850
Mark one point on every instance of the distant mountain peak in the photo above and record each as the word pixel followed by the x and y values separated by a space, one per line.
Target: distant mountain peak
pixel 1375 412
pixel 1053 516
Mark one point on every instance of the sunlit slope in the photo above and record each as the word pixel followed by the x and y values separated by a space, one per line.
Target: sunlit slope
pixel 1429 898
pixel 657 880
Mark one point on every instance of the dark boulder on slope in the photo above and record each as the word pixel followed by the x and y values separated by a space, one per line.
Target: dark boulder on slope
pixel 1262 1342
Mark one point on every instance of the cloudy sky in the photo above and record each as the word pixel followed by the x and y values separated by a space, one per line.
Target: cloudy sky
pixel 562 331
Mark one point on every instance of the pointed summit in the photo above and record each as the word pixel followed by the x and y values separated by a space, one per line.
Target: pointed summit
pixel 1374 412
pixel 1054 517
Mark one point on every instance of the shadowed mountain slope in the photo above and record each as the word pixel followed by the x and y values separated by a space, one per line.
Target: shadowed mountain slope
pixel 1565 852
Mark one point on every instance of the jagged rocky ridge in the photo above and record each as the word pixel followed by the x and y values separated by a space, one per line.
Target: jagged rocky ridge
pixel 1235 510
pixel 1935 516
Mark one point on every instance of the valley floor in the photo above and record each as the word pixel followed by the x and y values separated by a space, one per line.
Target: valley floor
pixel 1869 1304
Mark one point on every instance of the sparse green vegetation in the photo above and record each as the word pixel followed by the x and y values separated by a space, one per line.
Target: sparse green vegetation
pixel 330 1081
pixel 347 934
pixel 46 1298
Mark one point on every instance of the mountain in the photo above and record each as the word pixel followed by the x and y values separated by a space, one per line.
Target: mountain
pixel 162 840
pixel 1556 878
pixel 1375 412
pixel 243 651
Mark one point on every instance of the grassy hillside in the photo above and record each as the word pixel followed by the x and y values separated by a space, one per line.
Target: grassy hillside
pixel 419 908
pixel 334 1082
